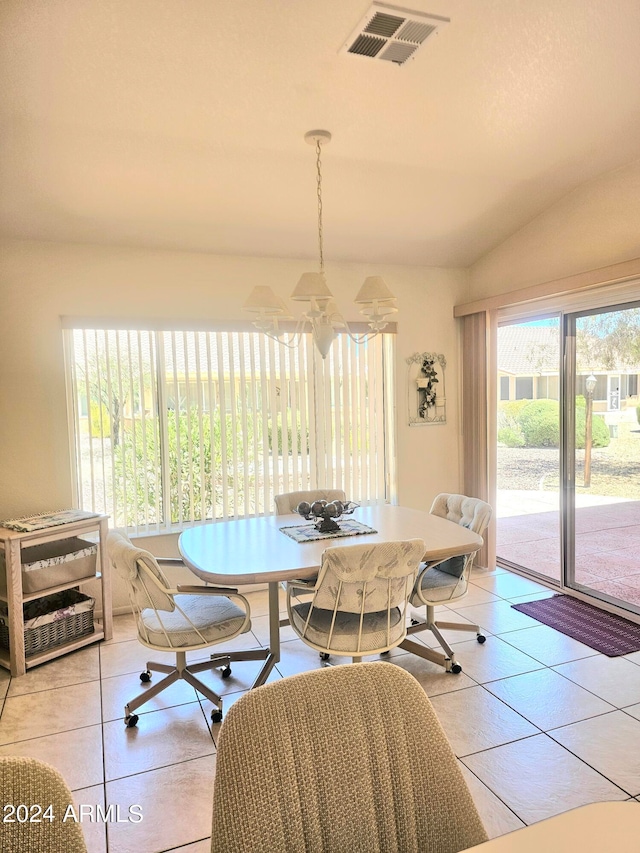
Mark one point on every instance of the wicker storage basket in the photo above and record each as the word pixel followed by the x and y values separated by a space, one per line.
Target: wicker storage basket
pixel 53 563
pixel 51 620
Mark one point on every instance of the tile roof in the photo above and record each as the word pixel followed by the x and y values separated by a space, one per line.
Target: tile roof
pixel 528 349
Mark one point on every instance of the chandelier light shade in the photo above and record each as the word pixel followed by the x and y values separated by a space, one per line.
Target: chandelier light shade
pixel 269 308
pixel 312 285
pixel 373 290
pixel 374 298
pixel 264 301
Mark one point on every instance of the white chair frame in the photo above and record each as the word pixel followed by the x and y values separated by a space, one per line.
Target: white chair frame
pixel 457 591
pixel 313 585
pixel 182 669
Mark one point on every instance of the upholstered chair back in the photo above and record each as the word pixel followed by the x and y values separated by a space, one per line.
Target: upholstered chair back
pixel 367 578
pixel 348 759
pixel 468 512
pixel 146 583
pixel 360 598
pixel 287 503
pixel 30 784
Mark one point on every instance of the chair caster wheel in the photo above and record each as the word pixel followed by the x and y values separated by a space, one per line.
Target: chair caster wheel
pixel 131 720
pixel 324 655
pixel 145 677
pixel 226 672
pixel 384 654
pixel 415 621
pixel 216 716
pixel 456 668
pixel 481 638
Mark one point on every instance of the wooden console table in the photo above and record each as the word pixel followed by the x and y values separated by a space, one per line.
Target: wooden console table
pixel 13 541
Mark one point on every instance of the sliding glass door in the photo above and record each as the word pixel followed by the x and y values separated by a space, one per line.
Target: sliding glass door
pixel 568 455
pixel 528 452
pixel 603 455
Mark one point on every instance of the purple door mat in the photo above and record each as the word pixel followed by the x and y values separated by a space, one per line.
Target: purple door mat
pixel 605 632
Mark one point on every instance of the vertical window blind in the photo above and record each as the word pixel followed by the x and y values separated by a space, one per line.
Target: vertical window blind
pixel 174 427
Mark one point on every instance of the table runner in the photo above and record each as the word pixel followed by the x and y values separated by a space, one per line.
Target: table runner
pixel 309 533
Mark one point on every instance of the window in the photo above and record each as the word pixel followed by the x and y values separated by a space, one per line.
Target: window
pixel 600 390
pixel 504 387
pixel 547 388
pixel 172 427
pixel 524 388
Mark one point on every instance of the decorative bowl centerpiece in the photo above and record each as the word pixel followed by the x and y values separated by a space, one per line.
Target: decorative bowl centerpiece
pixel 326 515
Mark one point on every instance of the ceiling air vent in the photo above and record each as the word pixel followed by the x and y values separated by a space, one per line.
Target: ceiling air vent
pixel 391 33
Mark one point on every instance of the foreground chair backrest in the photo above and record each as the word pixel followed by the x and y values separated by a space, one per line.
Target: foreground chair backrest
pixel 39 815
pixel 348 759
pixel 445 582
pixel 360 598
pixel 184 619
pixel 287 503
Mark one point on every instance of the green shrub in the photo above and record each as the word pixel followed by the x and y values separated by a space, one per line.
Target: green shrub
pixel 195 444
pixel 509 431
pixel 289 436
pixel 540 423
pixel 638 413
pixel 511 437
pixel 599 431
pixel 100 427
pixel 510 410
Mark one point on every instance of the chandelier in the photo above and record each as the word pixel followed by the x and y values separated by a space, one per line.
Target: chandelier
pixel 374 298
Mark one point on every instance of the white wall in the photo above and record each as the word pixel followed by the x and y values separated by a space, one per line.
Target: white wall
pixel 42 281
pixel 595 225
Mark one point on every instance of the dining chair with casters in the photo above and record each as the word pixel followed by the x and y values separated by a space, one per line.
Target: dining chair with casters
pixel 180 620
pixel 287 503
pixel 346 758
pixel 39 812
pixel 444 582
pixel 359 601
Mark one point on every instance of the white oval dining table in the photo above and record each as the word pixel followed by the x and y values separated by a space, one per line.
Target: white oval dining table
pixel 255 550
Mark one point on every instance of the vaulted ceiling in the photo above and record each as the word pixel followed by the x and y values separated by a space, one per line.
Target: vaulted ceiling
pixel 180 125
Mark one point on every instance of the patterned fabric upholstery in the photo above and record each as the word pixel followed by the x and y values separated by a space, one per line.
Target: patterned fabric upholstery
pixel 374 572
pixel 193 620
pixel 360 598
pixel 287 503
pixel 441 586
pixel 470 512
pixel 125 559
pixel 349 758
pixel 29 782
pixel 168 620
pixel 346 627
pixel 453 566
pixel 211 620
pixel 449 579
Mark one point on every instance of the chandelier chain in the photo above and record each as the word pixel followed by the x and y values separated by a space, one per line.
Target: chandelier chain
pixel 319 189
pixel 374 299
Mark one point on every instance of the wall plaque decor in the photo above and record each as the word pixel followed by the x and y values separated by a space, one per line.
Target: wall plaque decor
pixel 427 401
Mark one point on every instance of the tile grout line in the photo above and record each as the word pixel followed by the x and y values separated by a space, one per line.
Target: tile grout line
pixel 104 752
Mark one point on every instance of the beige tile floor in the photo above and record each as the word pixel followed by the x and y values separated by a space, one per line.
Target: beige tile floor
pixel 540 722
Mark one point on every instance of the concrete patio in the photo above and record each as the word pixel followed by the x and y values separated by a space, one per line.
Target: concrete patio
pixel 607 539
